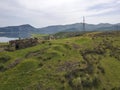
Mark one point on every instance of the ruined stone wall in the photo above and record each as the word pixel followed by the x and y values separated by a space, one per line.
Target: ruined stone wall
pixel 23 43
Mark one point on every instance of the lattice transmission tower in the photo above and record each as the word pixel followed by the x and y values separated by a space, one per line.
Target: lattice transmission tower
pixel 84 29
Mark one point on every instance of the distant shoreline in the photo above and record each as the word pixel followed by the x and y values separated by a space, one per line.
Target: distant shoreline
pixel 6 39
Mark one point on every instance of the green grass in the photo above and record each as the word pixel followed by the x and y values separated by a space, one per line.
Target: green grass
pixel 63 64
pixel 39 35
pixel 3 43
pixel 112 69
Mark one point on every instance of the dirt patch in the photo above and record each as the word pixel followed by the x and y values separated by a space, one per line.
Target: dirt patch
pixel 16 62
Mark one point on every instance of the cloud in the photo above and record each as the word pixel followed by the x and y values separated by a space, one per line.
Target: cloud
pixel 49 12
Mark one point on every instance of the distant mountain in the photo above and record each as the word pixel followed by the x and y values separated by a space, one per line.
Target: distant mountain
pixel 78 27
pixel 22 31
pixel 104 25
pixel 26 30
pixel 51 29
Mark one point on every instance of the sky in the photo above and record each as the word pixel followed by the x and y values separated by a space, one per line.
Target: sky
pixel 41 13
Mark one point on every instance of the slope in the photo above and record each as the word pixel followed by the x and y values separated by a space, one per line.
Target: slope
pixel 87 62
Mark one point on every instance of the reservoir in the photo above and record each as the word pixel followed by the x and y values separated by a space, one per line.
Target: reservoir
pixel 6 39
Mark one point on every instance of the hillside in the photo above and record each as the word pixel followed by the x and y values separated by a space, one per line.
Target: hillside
pixel 25 31
pixel 87 62
pixel 22 31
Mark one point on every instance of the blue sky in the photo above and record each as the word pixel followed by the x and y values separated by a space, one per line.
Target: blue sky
pixel 40 13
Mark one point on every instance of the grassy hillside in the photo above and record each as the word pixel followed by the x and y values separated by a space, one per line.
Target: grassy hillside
pixel 39 35
pixel 87 62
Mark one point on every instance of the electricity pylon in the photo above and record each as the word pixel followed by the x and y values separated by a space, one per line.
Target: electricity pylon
pixel 83 24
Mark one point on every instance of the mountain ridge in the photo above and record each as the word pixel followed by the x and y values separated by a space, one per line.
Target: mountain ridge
pixel 26 30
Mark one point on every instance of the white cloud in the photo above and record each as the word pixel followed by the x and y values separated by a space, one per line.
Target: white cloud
pixel 47 12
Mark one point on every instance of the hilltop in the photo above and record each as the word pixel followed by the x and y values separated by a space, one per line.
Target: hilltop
pixel 87 62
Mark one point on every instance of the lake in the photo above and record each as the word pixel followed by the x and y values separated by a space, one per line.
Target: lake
pixel 6 39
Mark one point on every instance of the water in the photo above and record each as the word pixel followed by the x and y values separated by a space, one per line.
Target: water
pixel 6 39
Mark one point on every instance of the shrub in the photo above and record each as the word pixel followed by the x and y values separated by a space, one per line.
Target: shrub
pixel 116 88
pixel 1 67
pixel 87 83
pixel 50 44
pixel 90 68
pixel 101 69
pixel 76 83
pixel 4 58
pixel 96 82
pixel 40 64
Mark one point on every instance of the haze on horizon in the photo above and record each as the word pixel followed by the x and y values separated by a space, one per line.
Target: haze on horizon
pixel 40 13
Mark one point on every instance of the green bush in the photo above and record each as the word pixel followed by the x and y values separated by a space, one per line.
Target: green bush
pixel 4 58
pixel 1 67
pixel 77 83
pixel 87 83
pixel 116 88
pixel 96 82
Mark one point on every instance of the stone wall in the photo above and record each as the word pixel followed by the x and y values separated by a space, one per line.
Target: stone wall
pixel 23 43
